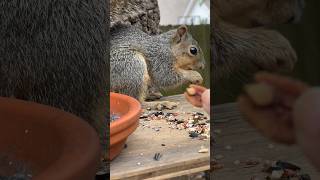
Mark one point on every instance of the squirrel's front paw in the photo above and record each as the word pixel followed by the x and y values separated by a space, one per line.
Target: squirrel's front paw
pixel 194 77
pixel 191 77
pixel 153 96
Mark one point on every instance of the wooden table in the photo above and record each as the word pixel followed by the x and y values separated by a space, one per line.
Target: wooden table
pixel 247 143
pixel 180 154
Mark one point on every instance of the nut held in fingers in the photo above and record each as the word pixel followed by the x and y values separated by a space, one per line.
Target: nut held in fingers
pixel 261 94
pixel 191 91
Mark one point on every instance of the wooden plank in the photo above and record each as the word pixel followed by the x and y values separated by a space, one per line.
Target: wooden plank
pixel 181 173
pixel 179 155
pixel 247 143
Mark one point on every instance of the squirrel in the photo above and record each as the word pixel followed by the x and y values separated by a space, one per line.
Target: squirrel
pixel 54 53
pixel 251 49
pixel 257 13
pixel 139 60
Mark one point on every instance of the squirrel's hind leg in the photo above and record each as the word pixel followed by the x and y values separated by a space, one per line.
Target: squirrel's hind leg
pixel 133 79
pixel 134 87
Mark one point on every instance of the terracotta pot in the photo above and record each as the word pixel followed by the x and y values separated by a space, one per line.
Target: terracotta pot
pixel 129 110
pixel 54 144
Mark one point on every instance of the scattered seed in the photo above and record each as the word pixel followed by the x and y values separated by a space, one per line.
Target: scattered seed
pixel 286 165
pixel 289 173
pixel 191 121
pixel 283 170
pixel 272 168
pixel 194 122
pixel 305 177
pixel 163 145
pixel 277 174
pixel 199 113
pixel 193 134
pixel 158 113
pixel 203 150
pixel 157 156
pixel 159 107
pixel 180 121
pixel 251 163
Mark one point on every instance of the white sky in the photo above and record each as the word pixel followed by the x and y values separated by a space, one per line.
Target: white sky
pixel 184 12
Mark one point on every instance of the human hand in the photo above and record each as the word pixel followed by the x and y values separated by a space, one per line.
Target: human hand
pixel 275 120
pixel 306 116
pixel 200 97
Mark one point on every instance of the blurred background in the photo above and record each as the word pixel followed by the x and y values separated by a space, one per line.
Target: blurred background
pixel 305 39
pixel 191 12
pixel 196 15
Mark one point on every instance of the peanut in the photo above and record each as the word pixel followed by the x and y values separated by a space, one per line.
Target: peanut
pixel 261 94
pixel 191 91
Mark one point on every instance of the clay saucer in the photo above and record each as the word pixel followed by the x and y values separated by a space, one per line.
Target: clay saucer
pixel 129 110
pixel 52 143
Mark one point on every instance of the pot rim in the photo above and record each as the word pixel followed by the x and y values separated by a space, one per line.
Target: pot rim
pixel 66 124
pixel 127 119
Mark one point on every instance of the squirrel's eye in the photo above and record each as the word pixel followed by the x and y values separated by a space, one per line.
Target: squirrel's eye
pixel 193 50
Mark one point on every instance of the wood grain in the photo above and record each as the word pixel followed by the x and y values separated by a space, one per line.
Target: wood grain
pixel 247 143
pixel 179 155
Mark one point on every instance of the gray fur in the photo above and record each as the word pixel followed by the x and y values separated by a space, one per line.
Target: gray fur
pixel 254 13
pixel 53 52
pixel 235 48
pixel 127 71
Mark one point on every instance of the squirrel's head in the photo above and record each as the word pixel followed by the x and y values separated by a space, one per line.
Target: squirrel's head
pixel 186 50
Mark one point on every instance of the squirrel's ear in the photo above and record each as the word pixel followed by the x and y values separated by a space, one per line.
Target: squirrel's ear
pixel 181 33
pixel 182 30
